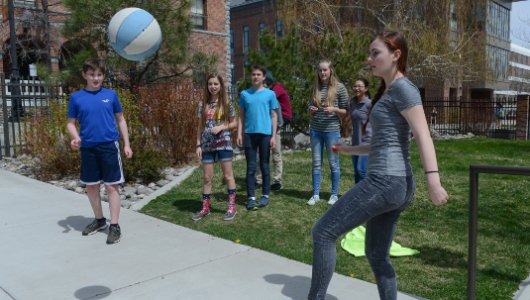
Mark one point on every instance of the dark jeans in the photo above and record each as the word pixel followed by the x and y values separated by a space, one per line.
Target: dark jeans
pixel 377 201
pixel 360 165
pixel 253 142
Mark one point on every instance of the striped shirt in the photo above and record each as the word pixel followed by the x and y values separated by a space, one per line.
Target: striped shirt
pixel 325 121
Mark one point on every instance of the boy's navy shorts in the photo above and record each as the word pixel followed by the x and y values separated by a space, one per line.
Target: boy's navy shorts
pixel 101 163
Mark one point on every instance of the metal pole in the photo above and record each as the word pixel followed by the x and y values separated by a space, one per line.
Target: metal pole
pixel 472 248
pixel 16 106
pixel 474 171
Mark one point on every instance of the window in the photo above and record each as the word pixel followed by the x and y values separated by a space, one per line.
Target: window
pixel 279 28
pixel 27 3
pixel 232 40
pixel 261 28
pixel 498 61
pixel 245 39
pixel 198 17
pixel 498 20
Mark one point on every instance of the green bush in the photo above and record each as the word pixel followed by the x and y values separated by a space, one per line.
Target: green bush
pixel 48 140
pixel 162 127
pixel 146 164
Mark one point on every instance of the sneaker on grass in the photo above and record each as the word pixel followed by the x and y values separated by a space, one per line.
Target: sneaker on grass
pixel 251 204
pixel 95 226
pixel 276 186
pixel 230 214
pixel 333 199
pixel 263 201
pixel 203 212
pixel 313 200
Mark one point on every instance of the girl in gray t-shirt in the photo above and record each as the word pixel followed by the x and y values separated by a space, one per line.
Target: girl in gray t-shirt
pixel 389 185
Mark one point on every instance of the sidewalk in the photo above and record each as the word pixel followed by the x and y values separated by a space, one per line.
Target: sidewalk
pixel 44 256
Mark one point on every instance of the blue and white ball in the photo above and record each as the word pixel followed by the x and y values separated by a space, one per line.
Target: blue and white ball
pixel 134 34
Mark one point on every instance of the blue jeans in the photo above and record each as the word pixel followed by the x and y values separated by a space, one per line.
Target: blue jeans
pixel 378 200
pixel 319 140
pixel 360 164
pixel 252 143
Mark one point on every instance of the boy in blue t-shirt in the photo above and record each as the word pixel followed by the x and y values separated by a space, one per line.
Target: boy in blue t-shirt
pixel 98 111
pixel 257 130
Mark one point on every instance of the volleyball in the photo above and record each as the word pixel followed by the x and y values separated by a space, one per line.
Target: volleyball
pixel 134 34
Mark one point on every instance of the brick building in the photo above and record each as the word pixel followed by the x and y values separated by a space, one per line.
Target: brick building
pixel 519 68
pixel 490 17
pixel 210 33
pixel 248 18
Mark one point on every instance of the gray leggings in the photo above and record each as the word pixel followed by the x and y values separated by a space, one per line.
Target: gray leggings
pixel 378 200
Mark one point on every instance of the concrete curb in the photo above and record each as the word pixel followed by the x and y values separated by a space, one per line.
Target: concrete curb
pixel 140 204
pixel 524 290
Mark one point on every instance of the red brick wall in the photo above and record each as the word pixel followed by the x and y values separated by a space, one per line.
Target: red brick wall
pixel 212 40
pixel 523 109
pixel 250 15
pixel 211 44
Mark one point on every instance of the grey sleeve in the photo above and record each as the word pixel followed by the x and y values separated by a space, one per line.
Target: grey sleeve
pixel 342 95
pixel 405 95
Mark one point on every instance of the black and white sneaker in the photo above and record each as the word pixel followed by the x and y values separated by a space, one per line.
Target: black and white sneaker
pixel 95 226
pixel 114 234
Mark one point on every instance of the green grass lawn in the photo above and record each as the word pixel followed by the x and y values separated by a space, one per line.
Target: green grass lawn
pixel 440 233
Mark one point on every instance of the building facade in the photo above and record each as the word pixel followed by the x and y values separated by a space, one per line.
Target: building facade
pixel 39 40
pixel 248 18
pixel 490 18
pixel 519 73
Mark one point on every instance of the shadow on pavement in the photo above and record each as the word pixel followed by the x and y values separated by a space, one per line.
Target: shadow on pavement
pixel 93 292
pixel 77 223
pixel 295 287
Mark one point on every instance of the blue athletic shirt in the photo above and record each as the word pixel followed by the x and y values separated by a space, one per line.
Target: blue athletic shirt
pixel 258 106
pixel 95 111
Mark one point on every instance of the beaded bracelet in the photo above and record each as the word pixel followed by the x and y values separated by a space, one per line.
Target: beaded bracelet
pixel 428 172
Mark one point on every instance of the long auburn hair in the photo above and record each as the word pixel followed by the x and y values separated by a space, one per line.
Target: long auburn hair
pixel 332 85
pixel 394 41
pixel 222 106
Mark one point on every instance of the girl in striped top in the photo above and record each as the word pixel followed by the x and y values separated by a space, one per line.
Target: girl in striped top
pixel 329 102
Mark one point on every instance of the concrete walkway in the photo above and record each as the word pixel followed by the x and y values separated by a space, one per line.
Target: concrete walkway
pixel 44 256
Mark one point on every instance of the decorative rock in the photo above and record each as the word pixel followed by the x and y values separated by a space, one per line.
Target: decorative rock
pixel 143 190
pixel 129 190
pixel 126 203
pixel 162 182
pixel 302 141
pixel 71 185
pixel 26 165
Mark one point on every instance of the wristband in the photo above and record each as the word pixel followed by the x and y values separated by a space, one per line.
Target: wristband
pixel 197 146
pixel 428 172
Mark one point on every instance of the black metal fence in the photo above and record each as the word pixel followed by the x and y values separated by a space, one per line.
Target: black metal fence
pixel 488 117
pixel 18 101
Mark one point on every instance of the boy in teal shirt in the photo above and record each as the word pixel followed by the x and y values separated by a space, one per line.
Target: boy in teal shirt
pixel 257 130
